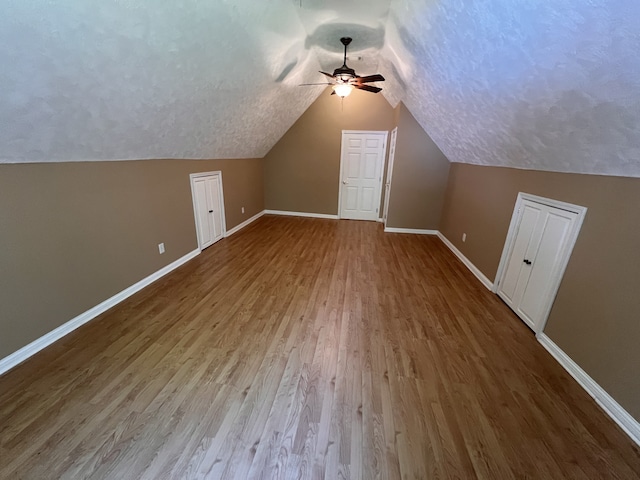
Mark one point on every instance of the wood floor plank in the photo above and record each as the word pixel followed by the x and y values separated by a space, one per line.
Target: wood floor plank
pixel 306 349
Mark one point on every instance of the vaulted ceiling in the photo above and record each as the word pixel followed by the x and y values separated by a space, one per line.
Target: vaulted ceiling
pixel 551 85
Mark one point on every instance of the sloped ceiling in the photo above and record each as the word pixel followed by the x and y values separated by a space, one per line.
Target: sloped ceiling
pixel 552 85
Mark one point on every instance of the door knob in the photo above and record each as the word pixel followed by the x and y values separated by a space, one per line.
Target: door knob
pixel 528 262
pixel 345 182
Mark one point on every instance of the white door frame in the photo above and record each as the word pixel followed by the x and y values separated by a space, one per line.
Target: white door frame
pixel 387 189
pixel 192 177
pixel 342 146
pixel 562 266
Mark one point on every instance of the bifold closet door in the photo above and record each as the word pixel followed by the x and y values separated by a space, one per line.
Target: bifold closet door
pixel 538 253
pixel 208 204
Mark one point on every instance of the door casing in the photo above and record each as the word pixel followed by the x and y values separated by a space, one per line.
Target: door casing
pixel 387 184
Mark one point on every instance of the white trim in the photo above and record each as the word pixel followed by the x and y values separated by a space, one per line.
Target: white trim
pixel 366 132
pixel 571 207
pixel 244 224
pixel 301 214
pixel 481 276
pixel 380 220
pixel 612 408
pixel 34 347
pixel 415 231
pixel 387 185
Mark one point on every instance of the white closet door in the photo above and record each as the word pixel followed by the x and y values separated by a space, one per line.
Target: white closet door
pixel 536 257
pixel 214 185
pixel 553 228
pixel 203 220
pixel 208 206
pixel 514 280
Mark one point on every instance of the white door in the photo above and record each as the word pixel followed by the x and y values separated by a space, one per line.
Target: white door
pixel 208 207
pixel 542 238
pixel 387 183
pixel 361 163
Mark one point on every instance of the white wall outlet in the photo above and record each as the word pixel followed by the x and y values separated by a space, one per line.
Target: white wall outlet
pixel 161 248
pixel 242 209
pixel 464 237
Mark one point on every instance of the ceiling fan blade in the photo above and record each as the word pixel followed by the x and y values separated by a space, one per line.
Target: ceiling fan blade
pixel 305 84
pixel 327 74
pixel 368 88
pixel 370 78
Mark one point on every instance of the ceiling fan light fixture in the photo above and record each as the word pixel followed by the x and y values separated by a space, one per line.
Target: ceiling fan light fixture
pixel 345 79
pixel 343 89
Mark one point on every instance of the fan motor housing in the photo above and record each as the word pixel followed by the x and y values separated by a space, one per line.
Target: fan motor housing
pixel 344 71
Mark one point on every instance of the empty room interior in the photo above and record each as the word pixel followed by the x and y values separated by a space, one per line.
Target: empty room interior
pixel 319 239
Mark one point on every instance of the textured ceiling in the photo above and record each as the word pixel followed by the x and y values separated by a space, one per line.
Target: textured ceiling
pixel 551 85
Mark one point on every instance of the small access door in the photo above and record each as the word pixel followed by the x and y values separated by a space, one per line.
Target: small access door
pixel 361 162
pixel 540 241
pixel 208 207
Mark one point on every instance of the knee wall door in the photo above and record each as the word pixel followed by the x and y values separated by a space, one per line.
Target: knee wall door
pixel 542 237
pixel 208 207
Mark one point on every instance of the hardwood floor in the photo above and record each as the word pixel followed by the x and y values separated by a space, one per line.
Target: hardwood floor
pixel 306 349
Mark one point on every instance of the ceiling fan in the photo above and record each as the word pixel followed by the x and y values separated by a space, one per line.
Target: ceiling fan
pixel 345 78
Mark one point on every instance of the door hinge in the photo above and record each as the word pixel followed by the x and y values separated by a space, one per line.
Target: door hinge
pixel 376 210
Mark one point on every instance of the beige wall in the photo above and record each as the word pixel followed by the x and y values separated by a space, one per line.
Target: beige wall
pixel 302 170
pixel 74 234
pixel 419 180
pixel 596 316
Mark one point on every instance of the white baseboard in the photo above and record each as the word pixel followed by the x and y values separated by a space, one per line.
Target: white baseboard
pixel 481 276
pixel 301 214
pixel 612 408
pixel 239 227
pixel 34 347
pixel 414 231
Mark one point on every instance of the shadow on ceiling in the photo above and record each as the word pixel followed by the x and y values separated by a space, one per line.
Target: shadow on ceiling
pixel 328 36
pixel 286 71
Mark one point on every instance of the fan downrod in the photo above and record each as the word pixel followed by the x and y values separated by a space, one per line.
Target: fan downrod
pixel 344 72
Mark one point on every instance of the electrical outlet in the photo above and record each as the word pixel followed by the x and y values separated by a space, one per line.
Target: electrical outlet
pixel 161 248
pixel 464 237
pixel 242 209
